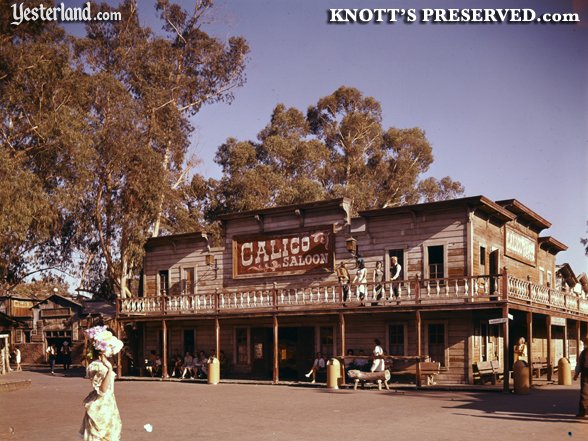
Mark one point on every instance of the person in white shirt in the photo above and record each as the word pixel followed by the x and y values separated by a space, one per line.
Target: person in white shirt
pixel 188 366
pixel 395 270
pixel 378 365
pixel 17 357
pixel 319 363
pixel 361 279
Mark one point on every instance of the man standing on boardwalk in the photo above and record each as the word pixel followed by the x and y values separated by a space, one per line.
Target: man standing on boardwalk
pixel 582 371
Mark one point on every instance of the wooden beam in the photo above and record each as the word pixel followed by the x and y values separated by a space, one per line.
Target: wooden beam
pixel 119 355
pixel 577 340
pixel 276 376
pixel 565 342
pixel 164 373
pixel 530 346
pixel 343 350
pixel 217 337
pixel 549 349
pixel 506 351
pixel 419 347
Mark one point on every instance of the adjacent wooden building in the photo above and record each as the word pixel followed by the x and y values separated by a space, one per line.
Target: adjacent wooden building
pixel 270 297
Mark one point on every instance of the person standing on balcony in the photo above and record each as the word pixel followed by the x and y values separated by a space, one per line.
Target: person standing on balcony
pixel 582 371
pixel 395 269
pixel 361 279
pixel 344 279
pixel 378 279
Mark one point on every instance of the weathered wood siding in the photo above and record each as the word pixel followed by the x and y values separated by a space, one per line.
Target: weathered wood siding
pixel 491 236
pixel 335 217
pixel 174 257
pixel 413 234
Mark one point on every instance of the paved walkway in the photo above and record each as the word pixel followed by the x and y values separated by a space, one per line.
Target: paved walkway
pixel 51 409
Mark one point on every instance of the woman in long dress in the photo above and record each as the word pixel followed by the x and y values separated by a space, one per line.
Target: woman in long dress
pixel 102 420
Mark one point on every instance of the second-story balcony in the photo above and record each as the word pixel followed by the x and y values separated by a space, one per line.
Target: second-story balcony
pixel 332 296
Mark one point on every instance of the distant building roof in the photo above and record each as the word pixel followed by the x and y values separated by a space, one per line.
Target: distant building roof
pixel 99 308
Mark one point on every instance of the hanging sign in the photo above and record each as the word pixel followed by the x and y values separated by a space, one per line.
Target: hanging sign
pixel 303 252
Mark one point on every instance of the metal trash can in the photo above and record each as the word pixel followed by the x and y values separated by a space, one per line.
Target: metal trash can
pixel 521 378
pixel 333 373
pixel 564 372
pixel 213 371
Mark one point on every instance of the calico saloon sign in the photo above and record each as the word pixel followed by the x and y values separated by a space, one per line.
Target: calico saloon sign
pixel 282 254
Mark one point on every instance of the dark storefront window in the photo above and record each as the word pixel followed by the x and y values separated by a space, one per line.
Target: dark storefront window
pixel 241 343
pixel 396 342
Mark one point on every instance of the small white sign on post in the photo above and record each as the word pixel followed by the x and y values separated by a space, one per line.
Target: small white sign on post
pixel 558 321
pixel 498 320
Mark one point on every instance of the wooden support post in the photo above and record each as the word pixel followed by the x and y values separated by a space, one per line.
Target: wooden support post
pixel 504 287
pixel 343 350
pixel 549 350
pixel 565 342
pixel 164 373
pixel 276 376
pixel 119 355
pixel 506 352
pixel 578 337
pixel 419 348
pixel 530 346
pixel 217 337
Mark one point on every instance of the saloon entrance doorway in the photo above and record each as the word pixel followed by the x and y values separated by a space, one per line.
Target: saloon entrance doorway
pixel 296 346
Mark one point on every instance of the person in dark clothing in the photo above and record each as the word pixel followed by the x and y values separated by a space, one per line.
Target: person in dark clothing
pixel 582 372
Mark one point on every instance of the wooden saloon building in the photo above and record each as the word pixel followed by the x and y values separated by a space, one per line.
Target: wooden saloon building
pixel 269 299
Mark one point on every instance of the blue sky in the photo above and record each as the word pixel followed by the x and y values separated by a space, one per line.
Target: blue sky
pixel 505 106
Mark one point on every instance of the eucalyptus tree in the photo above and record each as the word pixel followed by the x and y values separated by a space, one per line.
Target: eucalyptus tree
pixel 102 124
pixel 339 148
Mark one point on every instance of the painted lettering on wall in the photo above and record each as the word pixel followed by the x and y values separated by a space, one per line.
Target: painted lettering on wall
pixel 283 254
pixel 520 246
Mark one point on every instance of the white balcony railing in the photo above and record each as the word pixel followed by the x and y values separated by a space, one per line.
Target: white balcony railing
pixel 320 296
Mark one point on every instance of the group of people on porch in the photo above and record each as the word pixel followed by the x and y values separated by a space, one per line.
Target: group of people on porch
pixel 360 279
pixel 186 366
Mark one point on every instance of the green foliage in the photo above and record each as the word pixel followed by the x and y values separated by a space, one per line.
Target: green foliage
pixel 94 134
pixel 338 149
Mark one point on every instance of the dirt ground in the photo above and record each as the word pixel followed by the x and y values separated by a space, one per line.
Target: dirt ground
pixel 51 409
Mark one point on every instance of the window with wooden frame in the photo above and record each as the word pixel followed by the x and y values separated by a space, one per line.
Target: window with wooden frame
pixel 397 339
pixel 189 281
pixel 436 342
pixel 163 282
pixel 436 261
pixel 482 260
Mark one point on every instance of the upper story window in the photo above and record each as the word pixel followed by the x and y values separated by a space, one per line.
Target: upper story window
pixel 189 281
pixel 163 283
pixel 436 261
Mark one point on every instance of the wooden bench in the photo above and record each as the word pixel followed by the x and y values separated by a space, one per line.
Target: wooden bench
pixel 540 366
pixel 429 369
pixel 487 370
